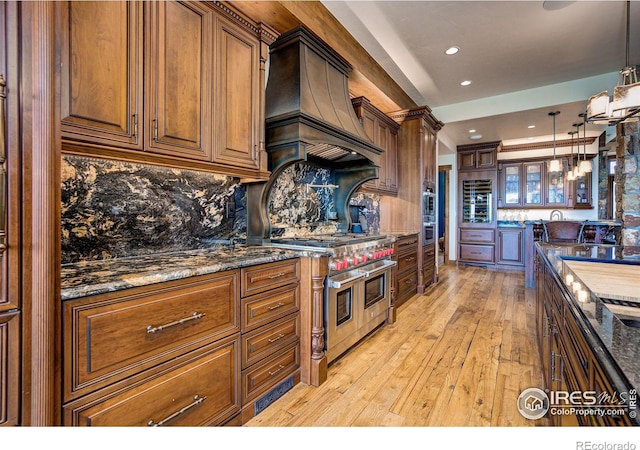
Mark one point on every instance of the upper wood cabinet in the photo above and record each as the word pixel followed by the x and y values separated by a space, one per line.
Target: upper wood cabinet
pixel 237 96
pixel 101 54
pixel 478 156
pixel 529 184
pixel 383 131
pixel 178 68
pixel 192 95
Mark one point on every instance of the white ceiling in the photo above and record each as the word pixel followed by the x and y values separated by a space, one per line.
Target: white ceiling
pixel 524 58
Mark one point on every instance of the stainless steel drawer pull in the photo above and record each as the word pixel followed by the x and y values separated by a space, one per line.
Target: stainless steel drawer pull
pixel 277 275
pixel 196 401
pixel 276 306
pixel 151 329
pixel 280 367
pixel 277 338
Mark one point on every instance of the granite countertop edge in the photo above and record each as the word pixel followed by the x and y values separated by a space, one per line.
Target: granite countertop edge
pixel 110 275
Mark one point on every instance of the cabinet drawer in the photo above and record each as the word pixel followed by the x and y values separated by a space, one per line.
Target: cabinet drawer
pixel 266 277
pixel 409 243
pixel 407 261
pixel 110 337
pixel 269 339
pixel 204 387
pixel 577 349
pixel 407 283
pixel 262 376
pixel 477 236
pixel 262 309
pixel 479 253
pixel 10 392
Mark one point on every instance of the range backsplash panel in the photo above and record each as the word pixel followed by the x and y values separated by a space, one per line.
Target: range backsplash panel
pixel 299 204
pixel 113 209
pixel 294 208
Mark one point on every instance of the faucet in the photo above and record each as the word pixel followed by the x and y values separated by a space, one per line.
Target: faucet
pixel 555 213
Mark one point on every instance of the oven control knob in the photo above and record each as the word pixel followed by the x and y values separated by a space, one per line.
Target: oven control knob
pixel 356 259
pixel 334 265
pixel 365 258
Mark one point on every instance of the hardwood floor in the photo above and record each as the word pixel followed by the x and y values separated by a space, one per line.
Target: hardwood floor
pixel 459 355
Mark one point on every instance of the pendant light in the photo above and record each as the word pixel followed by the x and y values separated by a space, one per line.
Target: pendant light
pixel 570 174
pixel 554 164
pixel 626 95
pixel 585 165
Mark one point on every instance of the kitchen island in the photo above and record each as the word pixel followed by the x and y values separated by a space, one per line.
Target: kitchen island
pixel 586 344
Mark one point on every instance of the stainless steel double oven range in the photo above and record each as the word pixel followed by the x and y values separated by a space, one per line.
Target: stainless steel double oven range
pixel 357 294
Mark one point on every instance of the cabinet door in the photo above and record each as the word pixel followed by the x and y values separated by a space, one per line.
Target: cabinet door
pixel 237 96
pixel 511 185
pixel 384 181
pixel 467 160
pixel 582 196
pixel 179 79
pixel 486 159
pixel 510 246
pixel 101 52
pixel 533 183
pixel 556 186
pixel 391 160
pixel 9 368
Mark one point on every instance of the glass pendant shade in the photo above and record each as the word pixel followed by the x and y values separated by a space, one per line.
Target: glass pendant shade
pixel 554 165
pixel 586 166
pixel 571 175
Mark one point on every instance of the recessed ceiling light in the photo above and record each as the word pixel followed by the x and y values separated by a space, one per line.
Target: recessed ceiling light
pixel 473 130
pixel 531 126
pixel 475 137
pixel 465 83
pixel 452 50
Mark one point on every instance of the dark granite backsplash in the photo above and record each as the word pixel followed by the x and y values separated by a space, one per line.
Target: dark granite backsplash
pixel 297 210
pixel 113 209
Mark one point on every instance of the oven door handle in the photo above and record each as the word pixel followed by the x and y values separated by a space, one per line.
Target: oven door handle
pixel 338 284
pixel 387 264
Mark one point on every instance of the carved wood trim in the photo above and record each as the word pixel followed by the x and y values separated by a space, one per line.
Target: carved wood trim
pixel 545 145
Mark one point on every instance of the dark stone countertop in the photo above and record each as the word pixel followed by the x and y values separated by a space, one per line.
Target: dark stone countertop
pixel 616 344
pixel 523 223
pixel 108 275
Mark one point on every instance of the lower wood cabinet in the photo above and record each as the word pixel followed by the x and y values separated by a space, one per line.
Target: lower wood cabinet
pixel 190 352
pixel 429 264
pixel 569 363
pixel 510 246
pixel 477 246
pixel 9 368
pixel 202 389
pixel 406 255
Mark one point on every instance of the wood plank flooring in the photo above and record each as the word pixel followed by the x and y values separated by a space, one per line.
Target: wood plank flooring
pixel 459 355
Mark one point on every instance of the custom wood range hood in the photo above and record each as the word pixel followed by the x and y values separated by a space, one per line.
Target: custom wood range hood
pixel 310 117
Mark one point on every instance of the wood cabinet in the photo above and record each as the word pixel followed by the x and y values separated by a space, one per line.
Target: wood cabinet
pixel 406 255
pixel 10 368
pixel 270 332
pixel 178 84
pixel 569 363
pixel 429 264
pixel 383 131
pixel 529 184
pixel 478 156
pixel 190 352
pixel 125 348
pixel 476 217
pixel 189 96
pixel 101 76
pixel 510 246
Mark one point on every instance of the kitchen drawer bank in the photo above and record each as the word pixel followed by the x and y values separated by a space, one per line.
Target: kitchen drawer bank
pixel 195 349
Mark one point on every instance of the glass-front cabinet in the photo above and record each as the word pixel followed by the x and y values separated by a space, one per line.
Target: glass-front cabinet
pixel 531 185
pixel 556 186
